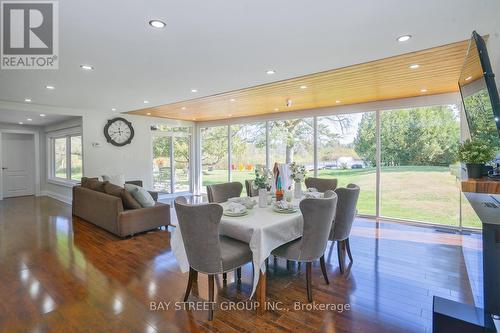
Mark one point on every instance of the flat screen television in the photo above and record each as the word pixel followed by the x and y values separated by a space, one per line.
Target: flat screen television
pixel 479 92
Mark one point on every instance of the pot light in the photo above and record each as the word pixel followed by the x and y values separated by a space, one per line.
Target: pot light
pixel 29 119
pixel 20 123
pixel 146 102
pixel 404 38
pixel 232 100
pixel 230 115
pixel 194 118
pixel 157 24
pixel 276 109
pixel 149 113
pixel 303 87
pixel 86 67
pixel 414 66
pixel 194 90
pixel 43 115
pixel 113 109
pixel 337 101
pixel 423 90
pixel 468 78
pixel 270 72
pixel 183 108
pixel 50 87
pixel 27 100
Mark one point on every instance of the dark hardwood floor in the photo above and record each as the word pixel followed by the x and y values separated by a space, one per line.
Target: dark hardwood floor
pixel 62 274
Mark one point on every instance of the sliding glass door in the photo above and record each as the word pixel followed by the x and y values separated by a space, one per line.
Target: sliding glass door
pixel 418 164
pixel 171 159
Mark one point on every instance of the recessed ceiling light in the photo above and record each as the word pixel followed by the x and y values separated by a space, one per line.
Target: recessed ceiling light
pixel 194 90
pixel 468 78
pixel 27 100
pixel 20 123
pixel 50 87
pixel 146 102
pixel 43 115
pixel 276 109
pixel 232 100
pixel 414 66
pixel 303 87
pixel 230 115
pixel 423 90
pixel 194 118
pixel 86 67
pixel 404 38
pixel 29 119
pixel 149 113
pixel 183 108
pixel 337 101
pixel 270 72
pixel 157 24
pixel 113 109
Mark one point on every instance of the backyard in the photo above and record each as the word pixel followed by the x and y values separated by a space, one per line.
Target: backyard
pixel 402 193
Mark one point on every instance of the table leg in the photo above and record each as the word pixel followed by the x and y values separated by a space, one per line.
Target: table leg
pixel 261 293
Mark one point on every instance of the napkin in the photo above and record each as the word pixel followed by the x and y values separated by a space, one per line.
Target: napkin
pixel 313 195
pixel 235 207
pixel 283 205
pixel 312 189
pixel 245 201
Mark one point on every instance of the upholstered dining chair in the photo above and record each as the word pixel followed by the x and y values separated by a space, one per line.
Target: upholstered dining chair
pixel 318 215
pixel 207 251
pixel 321 184
pixel 222 192
pixel 251 192
pixel 342 223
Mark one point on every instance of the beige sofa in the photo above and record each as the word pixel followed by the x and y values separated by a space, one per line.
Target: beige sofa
pixel 107 212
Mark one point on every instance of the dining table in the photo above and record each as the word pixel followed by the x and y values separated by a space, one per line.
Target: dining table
pixel 264 229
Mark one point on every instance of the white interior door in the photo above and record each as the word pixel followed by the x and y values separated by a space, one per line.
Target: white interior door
pixel 18 164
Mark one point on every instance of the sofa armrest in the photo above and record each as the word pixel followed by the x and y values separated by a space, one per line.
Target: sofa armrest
pixel 143 219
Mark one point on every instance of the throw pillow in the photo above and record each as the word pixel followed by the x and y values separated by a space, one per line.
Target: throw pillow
pixel 113 190
pixel 116 179
pixel 96 185
pixel 130 187
pixel 129 201
pixel 85 181
pixel 143 196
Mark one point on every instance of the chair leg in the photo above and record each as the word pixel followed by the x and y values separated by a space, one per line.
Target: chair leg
pixel 192 276
pixel 224 278
pixel 323 268
pixel 348 247
pixel 211 296
pixel 238 274
pixel 340 253
pixel 308 281
pixel 288 265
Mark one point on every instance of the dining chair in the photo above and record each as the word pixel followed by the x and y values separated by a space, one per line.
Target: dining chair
pixel 222 192
pixel 207 251
pixel 251 192
pixel 342 223
pixel 321 184
pixel 318 215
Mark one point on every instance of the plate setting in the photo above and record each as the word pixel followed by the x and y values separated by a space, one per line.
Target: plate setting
pixel 235 214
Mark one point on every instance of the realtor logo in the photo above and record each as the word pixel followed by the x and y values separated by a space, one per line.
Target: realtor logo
pixel 29 35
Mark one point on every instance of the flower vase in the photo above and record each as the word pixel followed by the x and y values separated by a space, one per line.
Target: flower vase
pixel 297 190
pixel 262 198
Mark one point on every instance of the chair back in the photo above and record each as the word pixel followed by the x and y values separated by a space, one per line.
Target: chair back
pixel 222 192
pixel 346 212
pixel 318 215
pixel 321 184
pixel 251 192
pixel 199 226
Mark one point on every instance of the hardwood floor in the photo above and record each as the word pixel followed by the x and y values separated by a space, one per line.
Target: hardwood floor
pixel 62 274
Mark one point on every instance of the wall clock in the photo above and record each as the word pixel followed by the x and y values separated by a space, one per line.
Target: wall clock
pixel 119 131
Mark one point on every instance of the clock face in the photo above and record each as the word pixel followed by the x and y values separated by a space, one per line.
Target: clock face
pixel 119 131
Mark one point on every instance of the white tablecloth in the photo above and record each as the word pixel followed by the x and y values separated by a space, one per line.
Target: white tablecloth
pixel 263 229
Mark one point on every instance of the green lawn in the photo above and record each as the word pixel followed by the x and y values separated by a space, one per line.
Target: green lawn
pixel 428 194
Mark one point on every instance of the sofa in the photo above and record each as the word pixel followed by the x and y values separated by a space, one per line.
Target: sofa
pixel 108 211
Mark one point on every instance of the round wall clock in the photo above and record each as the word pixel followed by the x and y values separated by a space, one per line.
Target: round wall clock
pixel 119 131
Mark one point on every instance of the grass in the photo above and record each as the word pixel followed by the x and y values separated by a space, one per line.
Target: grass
pixel 420 193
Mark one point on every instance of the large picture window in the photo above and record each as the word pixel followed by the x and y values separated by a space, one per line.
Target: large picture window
pixel 65 157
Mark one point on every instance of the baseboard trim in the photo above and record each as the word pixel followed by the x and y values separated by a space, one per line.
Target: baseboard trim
pixel 56 196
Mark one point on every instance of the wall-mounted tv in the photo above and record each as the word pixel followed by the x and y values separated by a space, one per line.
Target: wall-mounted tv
pixel 479 92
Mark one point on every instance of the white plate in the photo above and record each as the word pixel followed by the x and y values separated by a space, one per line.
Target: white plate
pixel 231 214
pixel 285 211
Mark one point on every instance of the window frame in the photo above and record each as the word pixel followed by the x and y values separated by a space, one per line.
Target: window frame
pixel 51 138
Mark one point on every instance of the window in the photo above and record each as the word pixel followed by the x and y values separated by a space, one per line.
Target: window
pixel 214 156
pixel 65 158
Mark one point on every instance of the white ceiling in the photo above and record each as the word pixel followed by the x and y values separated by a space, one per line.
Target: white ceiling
pixel 220 45
pixel 14 117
